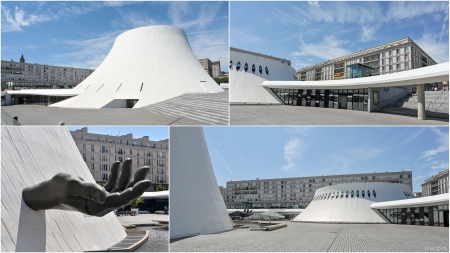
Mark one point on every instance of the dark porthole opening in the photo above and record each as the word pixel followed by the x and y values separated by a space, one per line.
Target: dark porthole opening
pixel 231 64
pixel 253 68
pixel 246 67
pixel 374 194
pixel 353 194
pixel 362 193
pixel 368 193
pixel 342 194
pixel 357 194
pixel 260 69
pixel 346 194
pixel 238 65
pixel 267 71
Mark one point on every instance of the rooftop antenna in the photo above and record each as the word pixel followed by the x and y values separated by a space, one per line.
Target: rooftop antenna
pixel 118 132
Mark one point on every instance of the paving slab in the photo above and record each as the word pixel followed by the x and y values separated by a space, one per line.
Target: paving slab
pixel 309 237
pixel 302 115
pixel 44 115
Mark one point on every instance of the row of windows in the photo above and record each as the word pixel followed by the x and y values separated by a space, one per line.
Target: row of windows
pixel 238 66
pixel 352 194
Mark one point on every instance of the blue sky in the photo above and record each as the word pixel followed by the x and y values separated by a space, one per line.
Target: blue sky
pixel 244 153
pixel 80 34
pixel 153 133
pixel 312 32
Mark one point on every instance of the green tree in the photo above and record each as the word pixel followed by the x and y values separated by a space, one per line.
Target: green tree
pixel 4 87
pixel 159 188
pixel 135 202
pixel 221 79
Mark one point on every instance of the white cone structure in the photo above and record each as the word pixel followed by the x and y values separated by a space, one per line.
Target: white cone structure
pixel 31 155
pixel 332 204
pixel 245 86
pixel 149 64
pixel 196 205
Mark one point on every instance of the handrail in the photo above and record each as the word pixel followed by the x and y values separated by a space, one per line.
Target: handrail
pixel 435 101
pixel 8 120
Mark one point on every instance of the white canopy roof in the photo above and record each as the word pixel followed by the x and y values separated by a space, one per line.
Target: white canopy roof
pixel 441 199
pixel 429 74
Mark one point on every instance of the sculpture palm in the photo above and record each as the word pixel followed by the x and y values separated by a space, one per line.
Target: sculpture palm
pixel 70 192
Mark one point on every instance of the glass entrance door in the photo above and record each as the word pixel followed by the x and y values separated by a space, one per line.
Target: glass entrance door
pixel 342 101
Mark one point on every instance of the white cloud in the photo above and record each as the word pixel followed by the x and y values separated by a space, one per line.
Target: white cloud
pixel 244 36
pixel 89 52
pixel 368 32
pixel 413 9
pixel 346 159
pixel 212 44
pixel 293 150
pixel 431 44
pixel 204 15
pixel 441 141
pixel 328 48
pixel 20 19
pixel 314 3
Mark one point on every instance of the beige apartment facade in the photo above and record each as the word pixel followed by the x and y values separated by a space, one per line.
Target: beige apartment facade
pixel 100 151
pixel 436 184
pixel 298 192
pixel 399 55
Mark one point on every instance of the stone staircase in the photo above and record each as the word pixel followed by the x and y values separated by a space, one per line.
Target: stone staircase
pixel 212 108
pixel 436 105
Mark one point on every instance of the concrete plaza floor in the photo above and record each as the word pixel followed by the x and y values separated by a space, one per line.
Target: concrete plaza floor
pixel 307 237
pixel 302 115
pixel 44 115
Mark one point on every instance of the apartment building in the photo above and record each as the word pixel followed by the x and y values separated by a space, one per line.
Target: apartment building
pixel 215 68
pixel 399 55
pixel 100 151
pixel 298 191
pixel 33 75
pixel 436 184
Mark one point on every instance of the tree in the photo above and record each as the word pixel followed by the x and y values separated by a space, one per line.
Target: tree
pixel 305 206
pixel 135 202
pixel 159 188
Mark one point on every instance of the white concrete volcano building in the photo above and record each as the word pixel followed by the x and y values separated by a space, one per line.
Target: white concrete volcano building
pixel 351 203
pixel 145 66
pixel 196 205
pixel 249 70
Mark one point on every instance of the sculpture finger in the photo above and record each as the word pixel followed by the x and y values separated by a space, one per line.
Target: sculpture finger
pixel 125 175
pixel 140 174
pixel 112 180
pixel 77 188
pixel 123 198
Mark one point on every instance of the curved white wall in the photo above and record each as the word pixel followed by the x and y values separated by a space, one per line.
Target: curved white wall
pixel 352 210
pixel 31 155
pixel 196 205
pixel 245 87
pixel 152 64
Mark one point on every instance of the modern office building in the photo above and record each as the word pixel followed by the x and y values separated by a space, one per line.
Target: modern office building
pixel 298 191
pixel 22 75
pixel 436 184
pixel 399 55
pixel 135 75
pixel 100 151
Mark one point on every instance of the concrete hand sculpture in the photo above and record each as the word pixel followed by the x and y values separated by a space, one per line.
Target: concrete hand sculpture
pixel 243 214
pixel 70 192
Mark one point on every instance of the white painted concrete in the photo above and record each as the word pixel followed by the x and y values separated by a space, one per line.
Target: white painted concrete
pixel 436 200
pixel 29 156
pixel 196 205
pixel 351 210
pixel 151 64
pixel 245 86
pixel 429 74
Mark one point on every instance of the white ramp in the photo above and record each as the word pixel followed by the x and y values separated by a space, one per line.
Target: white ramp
pixel 196 206
pixel 31 155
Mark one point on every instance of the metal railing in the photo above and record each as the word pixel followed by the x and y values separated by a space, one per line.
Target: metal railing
pixel 438 101
pixel 8 120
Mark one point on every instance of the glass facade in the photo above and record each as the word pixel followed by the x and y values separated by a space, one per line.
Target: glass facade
pixel 358 70
pixel 36 99
pixel 350 99
pixel 427 216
